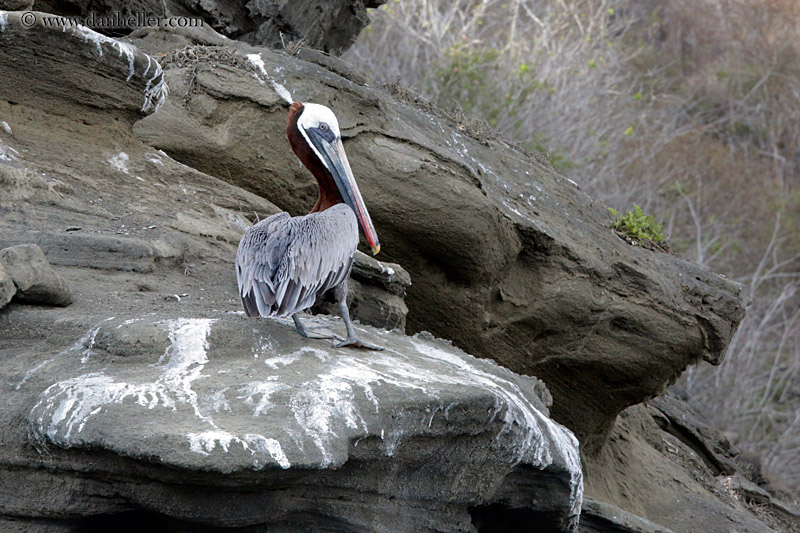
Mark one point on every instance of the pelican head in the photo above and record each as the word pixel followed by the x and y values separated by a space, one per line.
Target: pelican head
pixel 320 132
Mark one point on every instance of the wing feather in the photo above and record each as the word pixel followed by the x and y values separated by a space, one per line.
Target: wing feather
pixel 283 263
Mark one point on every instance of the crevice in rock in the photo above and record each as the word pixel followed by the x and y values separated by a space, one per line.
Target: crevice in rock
pixel 497 518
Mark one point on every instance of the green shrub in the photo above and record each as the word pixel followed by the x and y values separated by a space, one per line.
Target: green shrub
pixel 638 226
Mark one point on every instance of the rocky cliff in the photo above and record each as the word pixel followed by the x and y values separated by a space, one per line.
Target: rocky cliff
pixel 136 165
pixel 319 24
pixel 508 259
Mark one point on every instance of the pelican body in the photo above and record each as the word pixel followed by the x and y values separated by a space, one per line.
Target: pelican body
pixel 285 263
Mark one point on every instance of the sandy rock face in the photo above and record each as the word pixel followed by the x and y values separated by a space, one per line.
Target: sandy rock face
pixel 421 422
pixel 152 398
pixel 139 90
pixel 507 258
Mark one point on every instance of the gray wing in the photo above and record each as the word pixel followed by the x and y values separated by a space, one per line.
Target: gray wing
pixel 283 263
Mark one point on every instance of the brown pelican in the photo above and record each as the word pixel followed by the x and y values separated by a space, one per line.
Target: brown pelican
pixel 284 263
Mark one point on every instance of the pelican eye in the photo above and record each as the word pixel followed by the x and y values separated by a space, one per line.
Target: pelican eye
pixel 323 126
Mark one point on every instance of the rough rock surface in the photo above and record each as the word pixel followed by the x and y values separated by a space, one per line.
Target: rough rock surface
pixel 599 517
pixel 35 280
pixel 679 419
pixel 152 399
pixel 319 24
pixel 507 258
pixel 654 474
pixel 143 238
pixel 140 90
pixel 202 402
pixel 328 25
pixel 7 287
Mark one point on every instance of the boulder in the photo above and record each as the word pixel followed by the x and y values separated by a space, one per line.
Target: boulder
pixel 508 259
pixel 183 416
pixel 7 287
pixel 35 280
pixel 328 25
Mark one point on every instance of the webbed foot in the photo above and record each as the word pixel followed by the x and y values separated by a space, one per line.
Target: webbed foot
pixel 358 343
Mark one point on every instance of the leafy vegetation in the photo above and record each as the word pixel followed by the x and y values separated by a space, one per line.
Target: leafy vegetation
pixel 637 226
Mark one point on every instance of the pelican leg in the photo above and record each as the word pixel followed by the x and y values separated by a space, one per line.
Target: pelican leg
pixel 309 333
pixel 352 339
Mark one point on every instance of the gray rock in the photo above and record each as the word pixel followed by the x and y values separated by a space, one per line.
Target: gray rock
pixel 243 413
pixel 25 525
pixel 323 25
pixel 109 252
pixel 7 287
pixel 509 259
pixel 13 5
pixel 471 267
pixel 328 25
pixel 379 291
pixel 125 79
pixel 679 419
pixel 741 488
pixel 601 517
pixel 334 64
pixel 391 276
pixel 34 278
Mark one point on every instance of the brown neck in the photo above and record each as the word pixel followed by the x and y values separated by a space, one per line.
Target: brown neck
pixel 328 192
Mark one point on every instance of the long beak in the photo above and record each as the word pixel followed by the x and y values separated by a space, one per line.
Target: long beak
pixel 348 188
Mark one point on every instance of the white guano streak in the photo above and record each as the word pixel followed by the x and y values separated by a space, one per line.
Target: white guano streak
pixel 7 153
pixel 126 49
pixel 258 62
pixel 258 445
pixel 155 90
pixel 328 408
pixel 119 162
pixel 65 407
pixel 323 406
pixel 533 447
pixel 84 345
